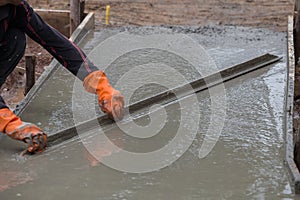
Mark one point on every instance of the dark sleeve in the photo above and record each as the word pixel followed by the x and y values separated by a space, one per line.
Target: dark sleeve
pixel 4 12
pixel 65 51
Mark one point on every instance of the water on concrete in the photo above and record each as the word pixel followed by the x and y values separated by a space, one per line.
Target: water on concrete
pixel 245 163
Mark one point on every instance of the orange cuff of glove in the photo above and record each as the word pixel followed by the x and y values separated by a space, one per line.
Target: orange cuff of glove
pixel 8 121
pixel 97 83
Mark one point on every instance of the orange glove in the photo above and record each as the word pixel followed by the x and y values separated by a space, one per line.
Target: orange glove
pixel 110 100
pixel 12 125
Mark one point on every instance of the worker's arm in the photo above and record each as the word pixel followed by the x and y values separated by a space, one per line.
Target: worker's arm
pixel 14 2
pixel 71 57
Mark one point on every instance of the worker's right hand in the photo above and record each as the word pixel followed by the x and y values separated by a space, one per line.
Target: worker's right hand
pixel 12 125
pixel 111 101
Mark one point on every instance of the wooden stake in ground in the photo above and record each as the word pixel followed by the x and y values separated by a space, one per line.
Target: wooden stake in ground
pixel 76 13
pixel 30 72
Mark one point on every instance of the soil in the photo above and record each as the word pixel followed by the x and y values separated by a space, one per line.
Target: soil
pixel 255 13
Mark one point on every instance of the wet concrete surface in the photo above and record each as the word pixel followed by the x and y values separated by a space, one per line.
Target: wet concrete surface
pixel 225 46
pixel 245 163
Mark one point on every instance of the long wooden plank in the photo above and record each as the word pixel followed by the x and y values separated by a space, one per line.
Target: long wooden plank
pixel 289 112
pixel 168 96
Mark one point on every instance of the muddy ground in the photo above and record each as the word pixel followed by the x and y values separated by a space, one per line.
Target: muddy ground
pixel 254 13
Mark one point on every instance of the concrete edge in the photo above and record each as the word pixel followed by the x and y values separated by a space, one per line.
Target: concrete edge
pixel 289 110
pixel 79 34
pixel 86 25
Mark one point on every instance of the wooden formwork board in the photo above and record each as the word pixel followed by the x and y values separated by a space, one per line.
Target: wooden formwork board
pixel 289 111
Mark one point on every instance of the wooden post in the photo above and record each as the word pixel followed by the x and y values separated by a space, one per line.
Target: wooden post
pixel 30 72
pixel 82 7
pixel 76 13
pixel 297 31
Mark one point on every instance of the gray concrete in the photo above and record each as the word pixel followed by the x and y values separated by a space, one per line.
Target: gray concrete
pixel 245 163
pixel 241 44
pixel 166 97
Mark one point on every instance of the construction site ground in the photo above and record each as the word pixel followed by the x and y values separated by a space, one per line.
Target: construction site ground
pixel 250 141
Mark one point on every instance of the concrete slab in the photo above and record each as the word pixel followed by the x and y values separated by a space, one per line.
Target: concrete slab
pixel 246 162
pixel 238 166
pixel 240 45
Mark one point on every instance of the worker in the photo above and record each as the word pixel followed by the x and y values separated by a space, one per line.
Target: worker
pixel 17 18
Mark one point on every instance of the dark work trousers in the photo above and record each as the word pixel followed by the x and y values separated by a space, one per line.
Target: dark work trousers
pixel 15 22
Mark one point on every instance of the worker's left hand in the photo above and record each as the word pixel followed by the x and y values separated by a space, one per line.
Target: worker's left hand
pixel 35 138
pixel 29 133
pixel 15 128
